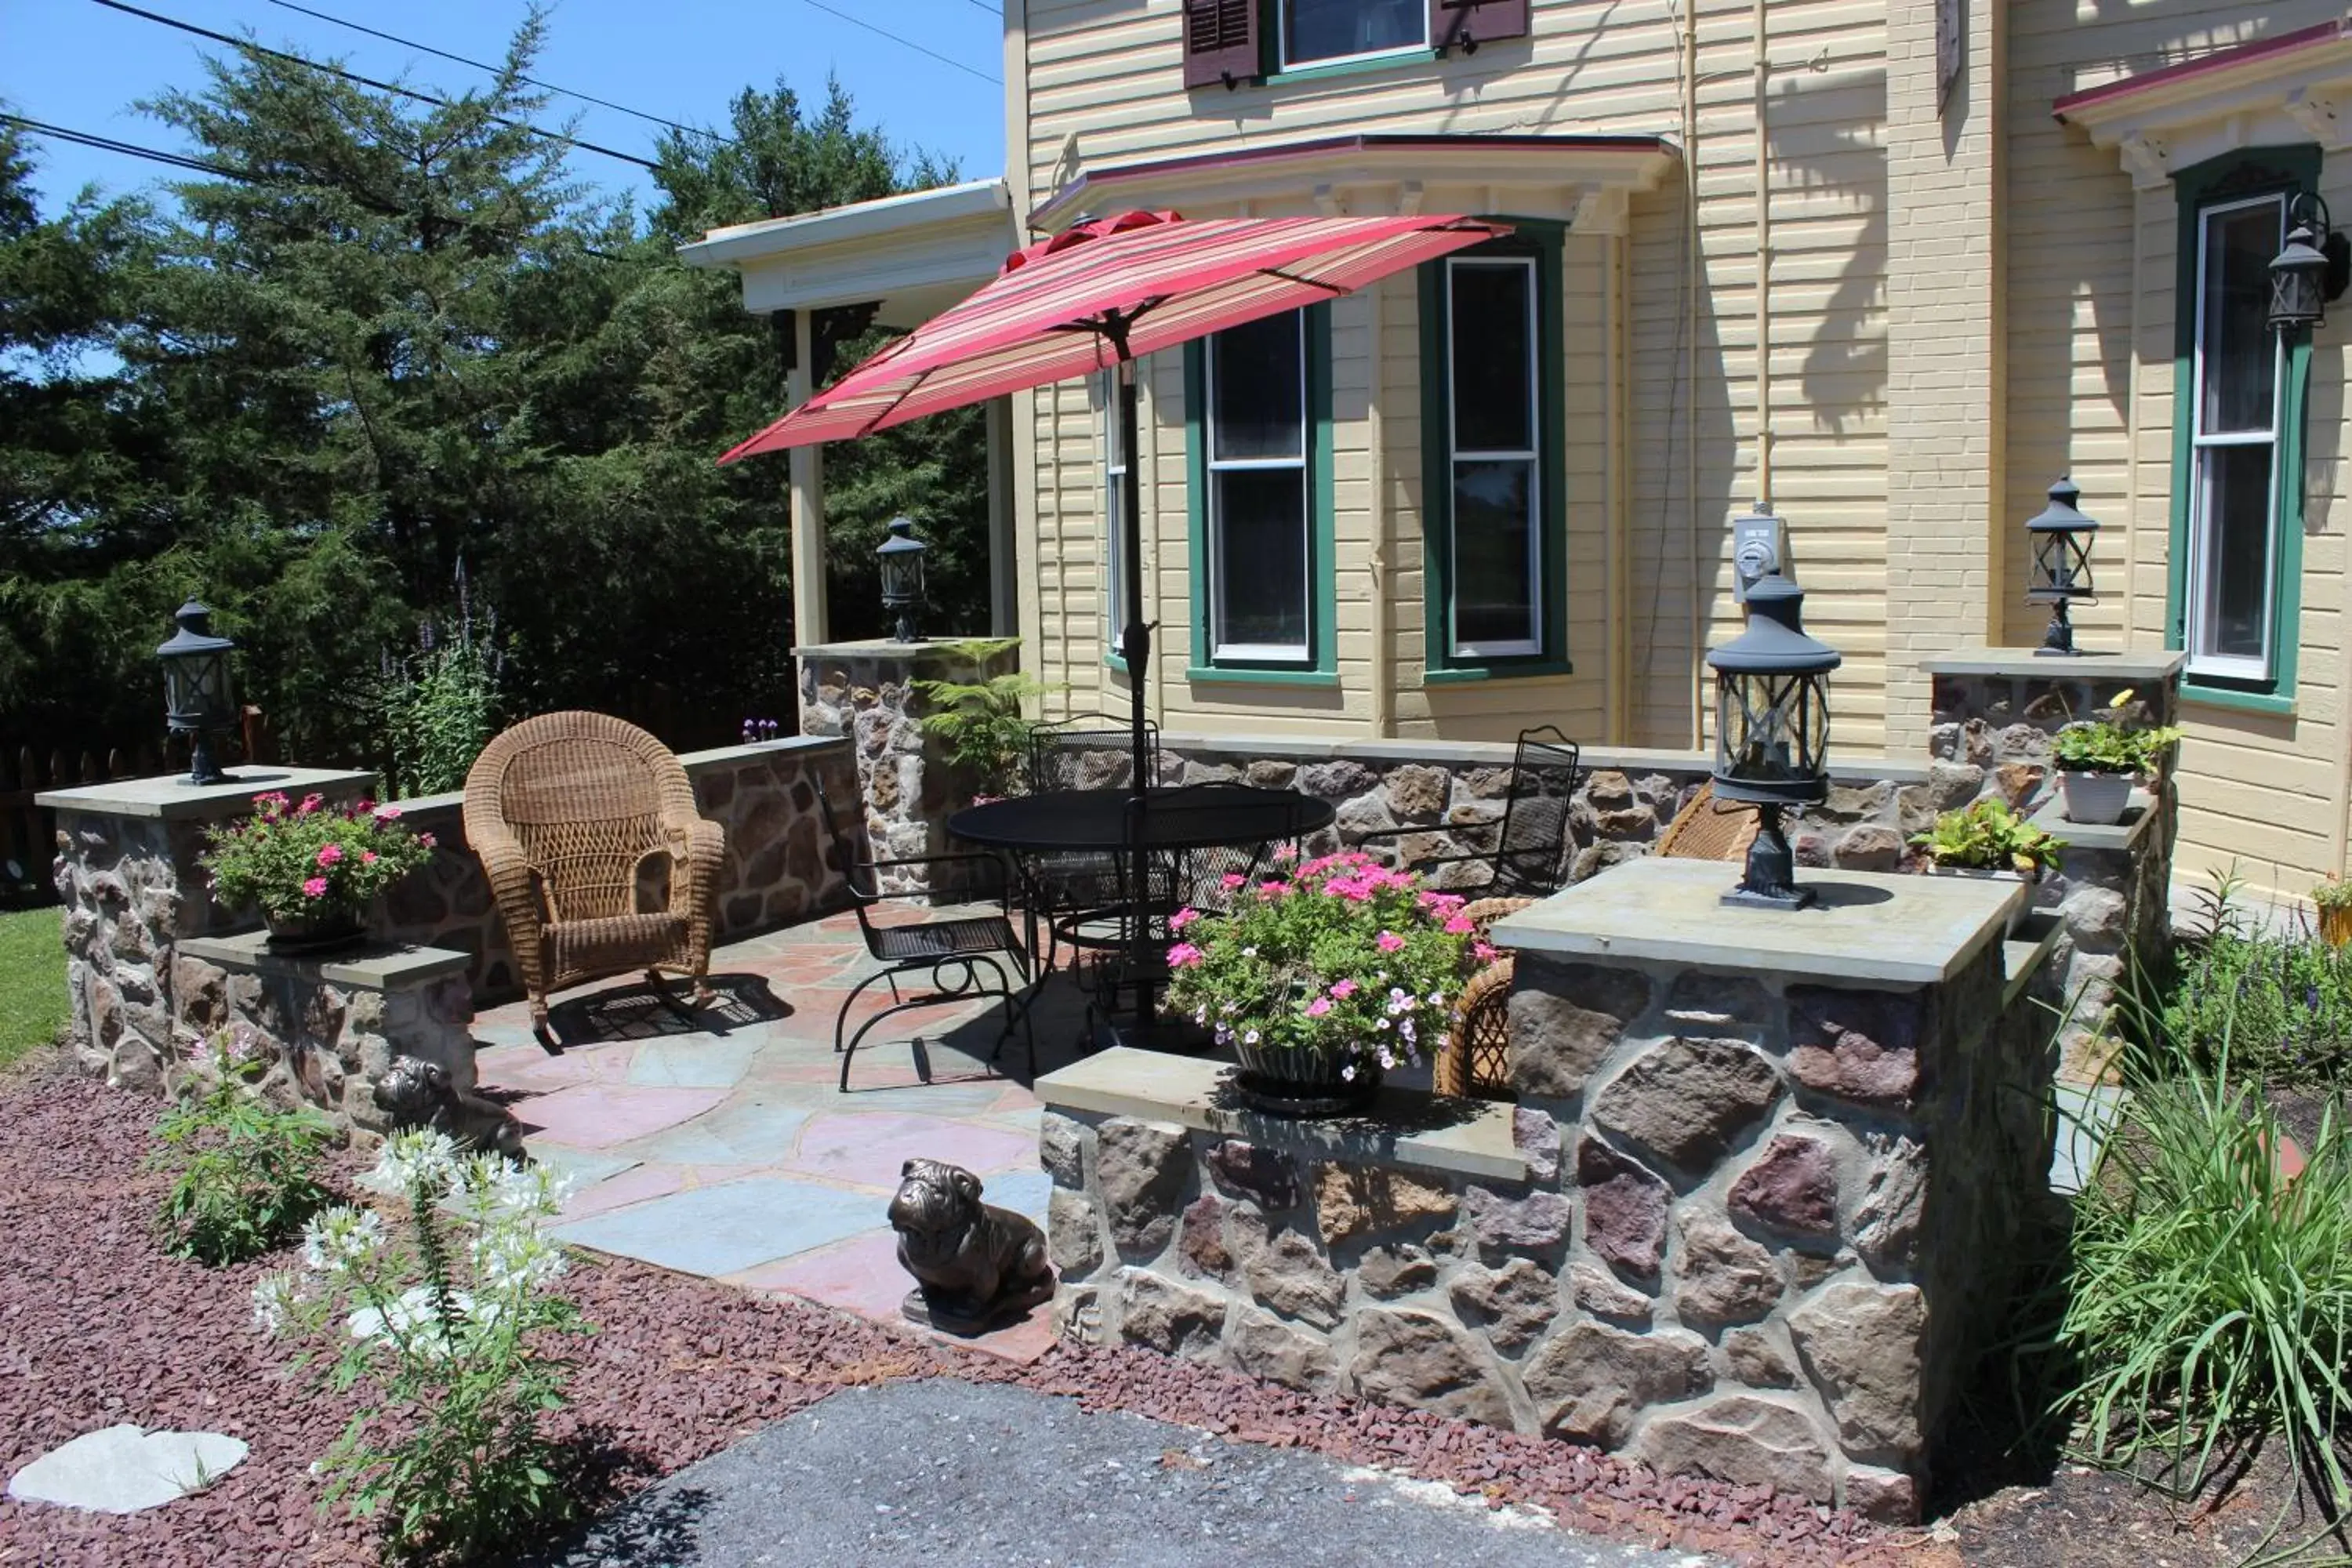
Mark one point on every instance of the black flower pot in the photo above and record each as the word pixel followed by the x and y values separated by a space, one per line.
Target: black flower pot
pixel 326 930
pixel 1283 1081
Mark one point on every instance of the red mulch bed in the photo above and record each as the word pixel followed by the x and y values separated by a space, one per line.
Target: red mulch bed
pixel 98 1326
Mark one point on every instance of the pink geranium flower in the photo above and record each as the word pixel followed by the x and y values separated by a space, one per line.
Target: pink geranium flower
pixel 367 857
pixel 1388 942
pixel 385 813
pixel 426 839
pixel 1183 955
pixel 1182 918
pixel 329 854
pixel 1344 989
pixel 1460 925
pixel 315 887
pixel 1321 1005
pixel 310 803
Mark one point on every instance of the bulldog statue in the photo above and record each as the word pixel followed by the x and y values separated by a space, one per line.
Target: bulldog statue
pixel 415 1092
pixel 975 1265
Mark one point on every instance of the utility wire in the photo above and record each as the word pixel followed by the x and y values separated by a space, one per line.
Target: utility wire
pixel 856 21
pixel 129 149
pixel 410 92
pixel 483 65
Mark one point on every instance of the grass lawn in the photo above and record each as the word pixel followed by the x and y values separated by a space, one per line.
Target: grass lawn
pixel 32 982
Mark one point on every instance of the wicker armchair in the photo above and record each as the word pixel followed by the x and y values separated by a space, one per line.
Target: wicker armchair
pixel 573 814
pixel 1476 1058
pixel 1702 832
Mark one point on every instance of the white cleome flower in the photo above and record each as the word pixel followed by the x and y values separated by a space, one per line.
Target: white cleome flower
pixel 411 1316
pixel 419 1154
pixel 339 1237
pixel 273 1302
pixel 511 1256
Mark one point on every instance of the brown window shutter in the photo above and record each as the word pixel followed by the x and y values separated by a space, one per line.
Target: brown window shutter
pixel 1466 23
pixel 1220 42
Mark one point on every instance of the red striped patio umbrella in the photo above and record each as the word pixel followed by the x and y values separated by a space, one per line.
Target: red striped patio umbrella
pixel 1104 293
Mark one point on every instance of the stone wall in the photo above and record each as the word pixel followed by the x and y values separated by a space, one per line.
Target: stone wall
pixel 1756 1225
pixel 865 692
pixel 778 868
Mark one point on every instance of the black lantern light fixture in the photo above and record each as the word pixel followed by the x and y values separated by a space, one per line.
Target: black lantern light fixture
pixel 1772 732
pixel 196 689
pixel 2061 563
pixel 902 579
pixel 2311 270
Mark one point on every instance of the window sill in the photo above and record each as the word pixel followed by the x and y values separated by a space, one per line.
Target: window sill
pixel 1215 674
pixel 2203 696
pixel 1465 674
pixel 1320 72
pixel 1115 663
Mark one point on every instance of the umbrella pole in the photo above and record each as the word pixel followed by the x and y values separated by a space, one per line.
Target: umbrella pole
pixel 1135 647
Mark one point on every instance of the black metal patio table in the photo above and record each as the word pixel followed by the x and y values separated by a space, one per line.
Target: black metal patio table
pixel 1157 822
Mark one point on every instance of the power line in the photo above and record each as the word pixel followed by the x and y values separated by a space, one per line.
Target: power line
pixel 410 92
pixel 983 5
pixel 494 71
pixel 129 149
pixel 904 43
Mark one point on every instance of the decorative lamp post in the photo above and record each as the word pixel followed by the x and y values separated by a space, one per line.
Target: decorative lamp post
pixel 2062 563
pixel 2311 270
pixel 196 689
pixel 902 579
pixel 1772 732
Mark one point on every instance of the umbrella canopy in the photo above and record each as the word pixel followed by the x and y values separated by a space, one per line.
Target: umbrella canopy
pixel 1110 289
pixel 1108 292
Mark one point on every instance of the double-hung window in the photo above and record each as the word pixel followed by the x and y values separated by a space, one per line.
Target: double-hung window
pixel 1259 397
pixel 2234 443
pixel 1318 32
pixel 1113 555
pixel 2237 482
pixel 1493 531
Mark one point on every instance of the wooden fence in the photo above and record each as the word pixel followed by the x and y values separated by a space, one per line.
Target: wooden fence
pixel 28 835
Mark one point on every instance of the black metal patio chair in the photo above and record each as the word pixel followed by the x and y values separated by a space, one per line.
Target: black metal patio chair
pixel 1526 849
pixel 1058 884
pixel 955 949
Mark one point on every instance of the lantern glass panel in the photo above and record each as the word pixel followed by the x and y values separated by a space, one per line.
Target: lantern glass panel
pixel 1773 731
pixel 196 689
pixel 2062 562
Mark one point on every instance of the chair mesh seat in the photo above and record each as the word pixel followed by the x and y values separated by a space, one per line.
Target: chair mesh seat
pixel 944 939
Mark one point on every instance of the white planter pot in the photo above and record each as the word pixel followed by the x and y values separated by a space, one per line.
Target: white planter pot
pixel 2096 799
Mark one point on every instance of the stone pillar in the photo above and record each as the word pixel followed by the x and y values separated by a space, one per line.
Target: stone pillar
pixel 127 872
pixel 1802 1147
pixel 865 690
pixel 1995 711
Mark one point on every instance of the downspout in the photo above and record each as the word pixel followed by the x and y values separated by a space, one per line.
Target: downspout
pixel 1763 272
pixel 1692 277
pixel 1383 613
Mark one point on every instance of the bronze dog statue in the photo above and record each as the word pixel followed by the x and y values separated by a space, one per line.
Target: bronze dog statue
pixel 418 1093
pixel 975 1265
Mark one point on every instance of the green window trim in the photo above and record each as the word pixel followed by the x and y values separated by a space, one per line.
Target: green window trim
pixel 1542 238
pixel 1322 598
pixel 2249 172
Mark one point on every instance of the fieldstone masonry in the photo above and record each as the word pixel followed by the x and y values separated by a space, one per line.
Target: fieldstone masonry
pixel 1750 1217
pixel 865 692
pixel 150 978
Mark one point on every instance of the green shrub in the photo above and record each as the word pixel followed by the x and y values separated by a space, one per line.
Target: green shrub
pixel 245 1175
pixel 2111 745
pixel 2209 1297
pixel 1990 837
pixel 438 708
pixel 982 722
pixel 2281 1004
pixel 439 1299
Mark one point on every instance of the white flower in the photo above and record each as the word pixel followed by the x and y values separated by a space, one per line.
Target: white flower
pixel 1437 998
pixel 411 1316
pixel 1250 1038
pixel 1379 1023
pixel 1249 953
pixel 335 1240
pixel 420 1154
pixel 1388 1061
pixel 1349 1072
pixel 273 1302
pixel 522 1192
pixel 512 1256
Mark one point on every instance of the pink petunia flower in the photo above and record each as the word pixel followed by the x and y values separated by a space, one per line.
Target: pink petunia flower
pixel 1183 955
pixel 1482 951
pixel 1388 942
pixel 315 887
pixel 310 803
pixel 1321 1005
pixel 1343 989
pixel 1182 918
pixel 329 854
pixel 1460 925
pixel 1231 880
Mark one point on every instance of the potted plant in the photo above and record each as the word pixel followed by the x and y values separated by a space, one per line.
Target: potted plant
pixel 1989 839
pixel 1322 978
pixel 2334 898
pixel 2099 758
pixel 310 867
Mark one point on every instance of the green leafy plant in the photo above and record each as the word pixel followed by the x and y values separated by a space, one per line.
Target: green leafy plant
pixel 2112 744
pixel 981 723
pixel 1989 835
pixel 295 859
pixel 246 1174
pixel 2334 893
pixel 1340 955
pixel 439 707
pixel 439 1299
pixel 2210 1295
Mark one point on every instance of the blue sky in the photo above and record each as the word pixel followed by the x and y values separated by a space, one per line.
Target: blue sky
pixel 78 64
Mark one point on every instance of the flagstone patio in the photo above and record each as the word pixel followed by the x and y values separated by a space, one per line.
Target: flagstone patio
pixel 721 1146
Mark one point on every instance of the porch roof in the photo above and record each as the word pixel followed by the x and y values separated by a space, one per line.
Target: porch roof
pixel 915 254
pixel 2294 87
pixel 1582 179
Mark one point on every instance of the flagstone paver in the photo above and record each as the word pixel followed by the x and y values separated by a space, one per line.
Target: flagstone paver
pixel 720 1144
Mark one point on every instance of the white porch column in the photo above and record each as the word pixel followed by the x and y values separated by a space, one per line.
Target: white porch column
pixel 809 621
